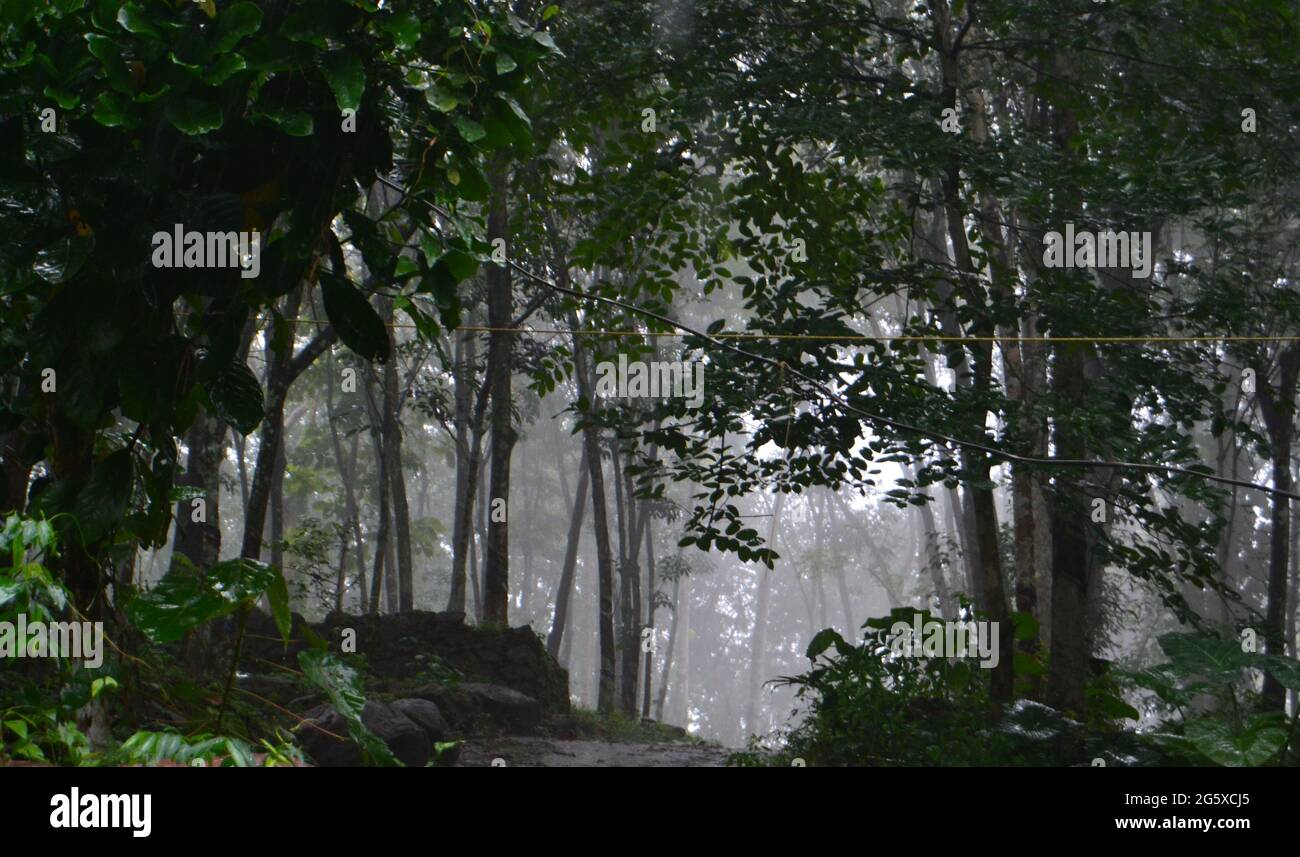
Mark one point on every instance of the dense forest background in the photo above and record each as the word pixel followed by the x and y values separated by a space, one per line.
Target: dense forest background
pixel 840 208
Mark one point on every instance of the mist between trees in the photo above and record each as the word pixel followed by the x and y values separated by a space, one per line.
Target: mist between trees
pixel 894 386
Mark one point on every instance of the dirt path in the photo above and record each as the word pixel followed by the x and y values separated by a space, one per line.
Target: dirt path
pixel 518 752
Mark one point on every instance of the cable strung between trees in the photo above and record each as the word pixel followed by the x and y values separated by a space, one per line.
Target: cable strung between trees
pixel 879 419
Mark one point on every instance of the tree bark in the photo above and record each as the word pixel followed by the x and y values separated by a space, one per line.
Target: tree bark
pixel 565 589
pixel 758 642
pixel 392 430
pixel 1278 409
pixel 496 572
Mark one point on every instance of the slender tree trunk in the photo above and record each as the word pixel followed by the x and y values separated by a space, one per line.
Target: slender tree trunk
pixel 1278 409
pixel 648 671
pixel 758 643
pixel 565 589
pixel 392 430
pixel 496 574
pixel 666 673
pixel 605 572
pixel 382 572
pixel 199 541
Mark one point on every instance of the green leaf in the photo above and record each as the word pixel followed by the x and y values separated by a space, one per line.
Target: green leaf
pixel 346 76
pixel 61 261
pixel 183 599
pixel 233 24
pixel 225 66
pixel 133 19
pixel 440 99
pixel 470 130
pixel 110 110
pixel 277 595
pixel 359 326
pixel 822 641
pixel 63 98
pixel 237 397
pixel 1263 736
pixel 1285 670
pixel 343 686
pixel 1210 657
pixel 1026 626
pixel 193 116
pixel 102 502
pixel 460 264
pixel 294 123
pixel 404 28
pixel 505 63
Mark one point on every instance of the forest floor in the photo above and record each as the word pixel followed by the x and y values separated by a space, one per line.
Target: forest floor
pixel 530 752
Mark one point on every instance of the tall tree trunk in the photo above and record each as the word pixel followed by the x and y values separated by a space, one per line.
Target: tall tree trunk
pixel 466 470
pixel 758 643
pixel 665 675
pixel 347 475
pixel 650 615
pixel 605 698
pixel 382 572
pixel 630 580
pixel 281 373
pixel 496 573
pixel 200 541
pixel 392 429
pixel 565 589
pixel 1278 409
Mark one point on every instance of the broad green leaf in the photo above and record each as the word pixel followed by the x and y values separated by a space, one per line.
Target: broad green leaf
pixel 295 123
pixel 1202 654
pixel 236 22
pixel 346 76
pixel 193 116
pixel 175 605
pixel 102 502
pixel 470 130
pixel 404 28
pixel 822 641
pixel 110 110
pixel 225 66
pixel 343 686
pixel 359 326
pixel 237 397
pixel 183 600
pixel 277 595
pixel 1263 736
pixel 440 99
pixel 136 21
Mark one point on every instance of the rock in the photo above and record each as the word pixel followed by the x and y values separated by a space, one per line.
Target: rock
pixel 424 714
pixel 456 708
pixel 509 709
pixel 417 647
pixel 675 731
pixel 408 740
